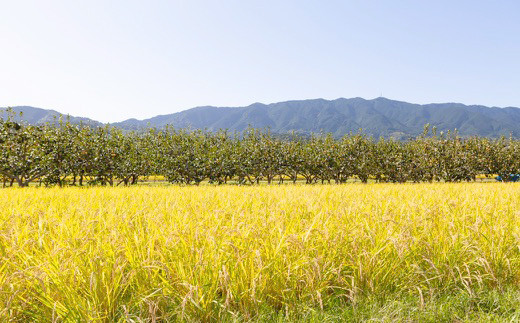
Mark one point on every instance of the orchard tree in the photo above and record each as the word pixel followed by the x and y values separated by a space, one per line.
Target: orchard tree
pixel 25 152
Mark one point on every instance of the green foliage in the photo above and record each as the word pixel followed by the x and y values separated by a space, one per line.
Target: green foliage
pixel 62 153
pixel 25 153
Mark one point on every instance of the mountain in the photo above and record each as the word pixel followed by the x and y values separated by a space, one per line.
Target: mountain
pixel 377 117
pixel 36 116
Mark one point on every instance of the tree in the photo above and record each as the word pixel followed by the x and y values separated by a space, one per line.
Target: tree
pixel 24 152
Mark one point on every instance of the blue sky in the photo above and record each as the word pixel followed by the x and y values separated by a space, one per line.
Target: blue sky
pixel 113 60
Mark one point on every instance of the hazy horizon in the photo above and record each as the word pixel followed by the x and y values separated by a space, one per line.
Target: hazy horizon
pixel 265 103
pixel 111 61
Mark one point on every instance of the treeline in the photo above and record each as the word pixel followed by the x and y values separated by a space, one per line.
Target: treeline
pixel 67 154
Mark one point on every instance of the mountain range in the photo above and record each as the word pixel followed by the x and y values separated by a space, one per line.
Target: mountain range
pixel 377 117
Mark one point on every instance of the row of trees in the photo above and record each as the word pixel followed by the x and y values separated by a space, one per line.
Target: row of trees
pixel 65 154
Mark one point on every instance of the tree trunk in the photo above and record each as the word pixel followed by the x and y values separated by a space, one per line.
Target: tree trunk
pixel 20 182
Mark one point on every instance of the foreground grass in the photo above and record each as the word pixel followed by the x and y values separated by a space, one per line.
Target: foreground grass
pixel 424 252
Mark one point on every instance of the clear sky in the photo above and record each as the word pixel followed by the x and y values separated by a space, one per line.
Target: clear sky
pixel 112 60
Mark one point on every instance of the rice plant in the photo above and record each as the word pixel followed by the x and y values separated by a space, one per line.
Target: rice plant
pixel 390 252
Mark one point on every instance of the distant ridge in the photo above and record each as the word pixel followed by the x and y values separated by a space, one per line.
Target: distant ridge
pixel 35 116
pixel 377 117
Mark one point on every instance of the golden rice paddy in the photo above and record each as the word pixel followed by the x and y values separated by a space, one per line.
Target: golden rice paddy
pixel 322 252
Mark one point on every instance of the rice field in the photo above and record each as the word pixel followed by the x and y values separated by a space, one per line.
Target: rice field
pixel 354 252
